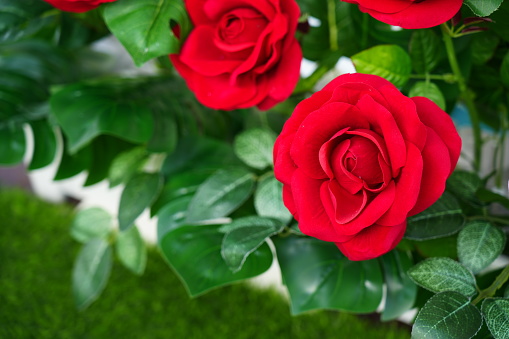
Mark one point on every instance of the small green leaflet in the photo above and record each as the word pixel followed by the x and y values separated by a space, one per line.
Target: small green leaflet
pixel 483 7
pixel 496 313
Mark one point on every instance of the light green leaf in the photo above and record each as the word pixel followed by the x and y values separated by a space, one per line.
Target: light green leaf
pixel 245 235
pixel 85 111
pixel 483 7
pixel 441 219
pixel 194 252
pixel 254 147
pixel 91 272
pixel 268 200
pixel 479 244
pixel 424 50
pixel 131 250
pixel 428 90
pixel 172 215
pixel 45 144
pixel 401 290
pixel 220 194
pixel 143 27
pixel 125 165
pixel 12 145
pixel 318 276
pixel 443 274
pixel 447 315
pixel 139 193
pixel 91 223
pixel 496 313
pixel 388 61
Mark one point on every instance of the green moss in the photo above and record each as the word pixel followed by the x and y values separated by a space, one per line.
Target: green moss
pixel 36 257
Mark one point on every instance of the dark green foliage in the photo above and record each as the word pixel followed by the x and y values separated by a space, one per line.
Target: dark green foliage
pixel 36 256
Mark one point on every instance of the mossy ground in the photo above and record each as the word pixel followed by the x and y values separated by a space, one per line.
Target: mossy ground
pixel 36 257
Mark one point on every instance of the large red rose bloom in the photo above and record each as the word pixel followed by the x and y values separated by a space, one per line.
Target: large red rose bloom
pixel 76 6
pixel 358 157
pixel 241 53
pixel 411 14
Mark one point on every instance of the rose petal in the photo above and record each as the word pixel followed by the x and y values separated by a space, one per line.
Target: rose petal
pixel 214 62
pixel 439 121
pixel 372 242
pixel 316 129
pixel 347 206
pixel 313 220
pixel 436 169
pixel 408 185
pixel 404 112
pixel 383 123
pixel 422 14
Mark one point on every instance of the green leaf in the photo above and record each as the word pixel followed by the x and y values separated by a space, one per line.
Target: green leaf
pixel 245 235
pixel 496 313
pixel 70 165
pixel 483 47
pixel 479 244
pixel 447 315
pixel 91 272
pixel 441 219
pixel 401 290
pixel 12 145
pixel 91 223
pixel 179 185
pixel 318 276
pixel 268 200
pixel 172 215
pixel 139 193
pixel 488 196
pixel 220 194
pixel 388 61
pixel 424 50
pixel 45 144
pixel 131 250
pixel 194 252
pixel 165 136
pixel 443 274
pixel 428 90
pixel 199 155
pixel 483 7
pixel 85 111
pixel 125 165
pixel 104 150
pixel 15 13
pixel 464 185
pixel 143 27
pixel 504 70
pixel 254 147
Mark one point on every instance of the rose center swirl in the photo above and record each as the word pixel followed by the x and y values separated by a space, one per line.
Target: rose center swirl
pixel 241 26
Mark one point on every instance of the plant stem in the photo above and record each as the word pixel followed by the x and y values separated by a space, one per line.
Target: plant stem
pixel 333 28
pixel 490 218
pixel 490 291
pixel 365 27
pixel 465 95
pixel 444 77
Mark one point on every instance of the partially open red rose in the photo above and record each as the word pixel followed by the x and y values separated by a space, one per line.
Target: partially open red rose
pixel 410 14
pixel 76 6
pixel 241 53
pixel 358 157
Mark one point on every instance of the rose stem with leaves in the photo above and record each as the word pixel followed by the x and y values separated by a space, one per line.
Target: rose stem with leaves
pixel 490 291
pixel 466 95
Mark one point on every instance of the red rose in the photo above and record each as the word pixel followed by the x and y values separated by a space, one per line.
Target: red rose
pixel 76 6
pixel 358 157
pixel 410 14
pixel 241 53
